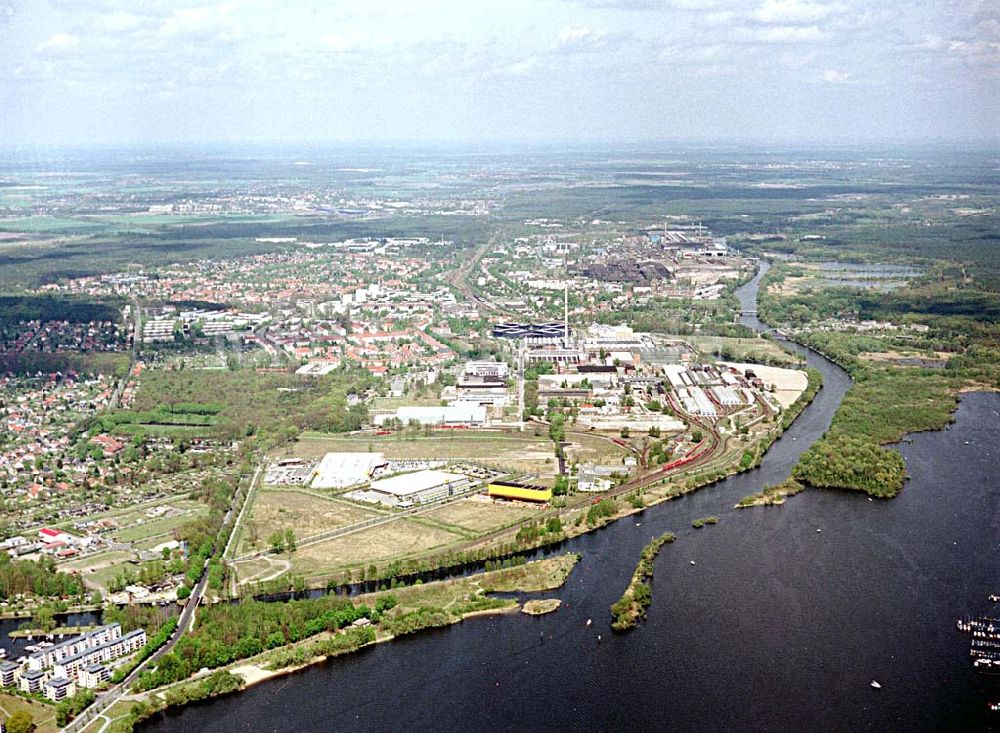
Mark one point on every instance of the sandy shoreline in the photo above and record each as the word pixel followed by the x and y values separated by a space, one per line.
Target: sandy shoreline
pixel 254 674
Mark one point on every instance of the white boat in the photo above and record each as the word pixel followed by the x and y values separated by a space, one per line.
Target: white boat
pixel 692 562
pixel 3 652
pixel 876 685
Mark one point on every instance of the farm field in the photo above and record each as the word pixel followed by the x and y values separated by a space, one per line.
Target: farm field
pixel 306 513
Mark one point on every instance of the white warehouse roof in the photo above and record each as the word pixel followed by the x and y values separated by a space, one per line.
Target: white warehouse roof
pixel 340 470
pixel 466 413
pixel 407 484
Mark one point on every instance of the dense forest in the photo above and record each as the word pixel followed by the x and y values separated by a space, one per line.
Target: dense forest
pixel 21 308
pixel 228 632
pixel 271 407
pixel 31 578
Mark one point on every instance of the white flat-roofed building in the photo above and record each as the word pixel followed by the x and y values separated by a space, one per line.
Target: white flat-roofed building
pixel 705 406
pixel 674 374
pixel 8 673
pixel 93 676
pixel 59 688
pixel 494 369
pixel 457 414
pixel 70 667
pixel 72 647
pixel 340 470
pixel 31 681
pixel 726 396
pixel 408 489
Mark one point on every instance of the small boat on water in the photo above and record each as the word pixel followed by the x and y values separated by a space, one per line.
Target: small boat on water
pixel 876 685
pixel 692 562
pixel 3 652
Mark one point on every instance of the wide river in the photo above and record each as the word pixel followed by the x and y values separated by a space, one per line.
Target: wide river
pixel 777 625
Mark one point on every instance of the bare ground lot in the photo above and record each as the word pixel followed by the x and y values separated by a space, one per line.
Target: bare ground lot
pixel 480 515
pixel 593 448
pixel 307 514
pixel 788 383
pixel 404 538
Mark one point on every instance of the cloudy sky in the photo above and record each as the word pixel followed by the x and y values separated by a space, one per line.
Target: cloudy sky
pixel 542 70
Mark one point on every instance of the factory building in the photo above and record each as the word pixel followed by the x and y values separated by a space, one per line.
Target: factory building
pixel 409 489
pixel 461 413
pixel 519 491
pixel 340 470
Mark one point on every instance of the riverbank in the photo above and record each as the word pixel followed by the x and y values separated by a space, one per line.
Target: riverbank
pixel 30 612
pixel 42 633
pixel 408 610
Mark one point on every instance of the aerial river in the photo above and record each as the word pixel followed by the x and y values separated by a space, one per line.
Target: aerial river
pixel 776 625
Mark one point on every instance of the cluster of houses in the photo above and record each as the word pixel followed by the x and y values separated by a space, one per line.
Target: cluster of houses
pixel 37 416
pixel 52 542
pixel 83 661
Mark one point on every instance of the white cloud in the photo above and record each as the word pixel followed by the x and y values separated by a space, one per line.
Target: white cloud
pixel 58 42
pixel 788 34
pixel 792 12
pixel 933 42
pixel 836 76
pixel 120 22
pixel 586 40
pixel 520 68
pixel 201 19
pixel 355 41
pixel 572 36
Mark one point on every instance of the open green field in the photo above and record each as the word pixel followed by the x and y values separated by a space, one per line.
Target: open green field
pixel 306 513
pixel 40 224
pixel 151 528
pixel 756 350
pixel 44 716
pixel 87 566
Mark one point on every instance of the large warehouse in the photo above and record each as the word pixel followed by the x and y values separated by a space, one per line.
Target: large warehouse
pixel 457 414
pixel 340 470
pixel 408 489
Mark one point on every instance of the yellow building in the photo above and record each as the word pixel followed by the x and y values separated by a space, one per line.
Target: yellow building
pixel 522 492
